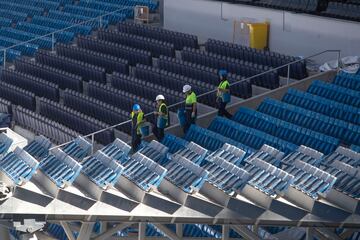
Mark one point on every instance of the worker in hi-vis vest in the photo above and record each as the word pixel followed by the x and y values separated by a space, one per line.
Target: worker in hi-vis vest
pixel 162 117
pixel 190 107
pixel 137 119
pixel 223 94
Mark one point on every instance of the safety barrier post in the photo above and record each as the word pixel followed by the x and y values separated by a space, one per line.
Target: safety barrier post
pixel 92 143
pixel 4 58
pixel 100 21
pixel 288 75
pixel 53 42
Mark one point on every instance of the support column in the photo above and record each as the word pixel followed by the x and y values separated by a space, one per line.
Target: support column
pixel 112 231
pixel 85 231
pixel 67 230
pixel 245 232
pixel 309 234
pixel 4 233
pixel 170 234
pixel 225 232
pixel 142 230
pixel 179 230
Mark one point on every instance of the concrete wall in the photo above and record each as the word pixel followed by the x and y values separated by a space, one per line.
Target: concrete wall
pixel 291 33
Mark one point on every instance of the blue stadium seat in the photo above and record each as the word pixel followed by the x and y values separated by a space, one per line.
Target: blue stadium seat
pixel 174 143
pixel 193 153
pixel 229 153
pixel 17 95
pixel 156 152
pixel 304 154
pixel 345 155
pixel 348 80
pixel 39 147
pixel 78 149
pixel 5 143
pixel 117 150
pixel 268 154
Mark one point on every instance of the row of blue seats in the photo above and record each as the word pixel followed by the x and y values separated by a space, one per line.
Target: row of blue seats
pixel 134 56
pixel 78 149
pixel 144 172
pixel 62 2
pixel 44 4
pixel 59 77
pixel 64 36
pixel 322 105
pixel 13 15
pixel 344 155
pixel 348 80
pixel 303 154
pixel 118 98
pixel 249 136
pixel 11 54
pixel 175 82
pixel 85 70
pixel 204 74
pixel 22 8
pixel 45 42
pixel 145 89
pixel 110 63
pixel 356 148
pixel 107 7
pixel 27 49
pixel 39 147
pixel 60 168
pixel 180 40
pixel 75 120
pixel 154 46
pixel 117 150
pixel 5 22
pixel 228 153
pixel 19 166
pixel 17 96
pixel 349 133
pixel 156 152
pixel 5 143
pixel 38 124
pixel 192 152
pixel 59 20
pixel 335 92
pixel 297 70
pixel 5 106
pixel 149 3
pixel 96 109
pixel 285 130
pixel 268 154
pixel 247 69
pixel 174 143
pixel 38 86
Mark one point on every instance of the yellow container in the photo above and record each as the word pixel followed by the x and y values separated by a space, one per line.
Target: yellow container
pixel 259 33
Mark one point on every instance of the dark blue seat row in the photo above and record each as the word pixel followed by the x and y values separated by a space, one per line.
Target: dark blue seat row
pixel 5 22
pixel 22 8
pixel 150 3
pixel 205 74
pixel 348 80
pixel 174 143
pixel 76 120
pixel 11 54
pixel 134 56
pixel 107 7
pixel 63 36
pixel 38 124
pixel 62 2
pixel 28 49
pixel 44 4
pixel 59 77
pixel 5 106
pixel 145 89
pixel 17 96
pixel 297 70
pixel 180 40
pixel 239 67
pixel 322 105
pixel 13 15
pixel 335 92
pixel 85 70
pixel 347 132
pixel 356 148
pixel 343 10
pixel 175 82
pixel 38 86
pixel 22 36
pixel 154 46
pixel 110 63
pixel 249 136
pixel 96 109
pixel 285 130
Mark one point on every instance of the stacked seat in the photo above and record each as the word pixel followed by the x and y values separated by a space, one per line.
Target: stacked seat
pixel 180 40
pixel 229 153
pixel 39 147
pixel 297 70
pixel 249 136
pixel 304 154
pixel 117 150
pixel 285 130
pixel 38 86
pixel 193 153
pixel 154 46
pixel 174 143
pixel 143 171
pixel 185 174
pixel 19 166
pixel 86 70
pixel 17 95
pixel 156 152
pixel 268 154
pixel 78 149
pixel 38 124
pixel 242 68
pixel 102 169
pixel 349 133
pixel 109 63
pixel 76 120
pixel 242 89
pixel 60 168
pixel 5 143
pixel 348 80
pixel 59 77
pixel 133 55
pixel 345 155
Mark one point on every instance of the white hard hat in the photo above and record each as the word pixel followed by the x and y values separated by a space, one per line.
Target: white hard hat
pixel 186 88
pixel 160 97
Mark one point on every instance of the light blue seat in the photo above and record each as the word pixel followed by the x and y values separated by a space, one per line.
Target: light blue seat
pixel 156 152
pixel 5 143
pixel 39 147
pixel 79 148
pixel 117 150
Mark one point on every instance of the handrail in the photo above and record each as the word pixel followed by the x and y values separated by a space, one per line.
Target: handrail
pixel 209 92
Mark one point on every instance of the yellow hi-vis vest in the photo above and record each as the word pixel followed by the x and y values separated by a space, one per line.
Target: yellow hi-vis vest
pixel 139 121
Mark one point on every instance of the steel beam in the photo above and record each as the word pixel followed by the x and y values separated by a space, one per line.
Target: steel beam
pixel 107 234
pixel 347 233
pixel 170 234
pixel 326 233
pixel 85 231
pixel 245 232
pixel 309 234
pixel 67 230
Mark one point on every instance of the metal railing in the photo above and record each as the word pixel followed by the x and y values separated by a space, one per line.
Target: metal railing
pixel 52 34
pixel 92 135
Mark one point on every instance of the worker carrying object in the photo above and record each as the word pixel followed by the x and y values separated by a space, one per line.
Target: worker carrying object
pixel 137 120
pixel 223 94
pixel 190 107
pixel 162 117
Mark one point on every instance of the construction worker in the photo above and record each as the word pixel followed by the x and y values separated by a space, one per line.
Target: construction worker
pixel 162 117
pixel 190 107
pixel 137 119
pixel 223 94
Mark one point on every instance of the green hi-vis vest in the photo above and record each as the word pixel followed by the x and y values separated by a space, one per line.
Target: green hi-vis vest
pixel 139 121
pixel 223 86
pixel 163 120
pixel 190 100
